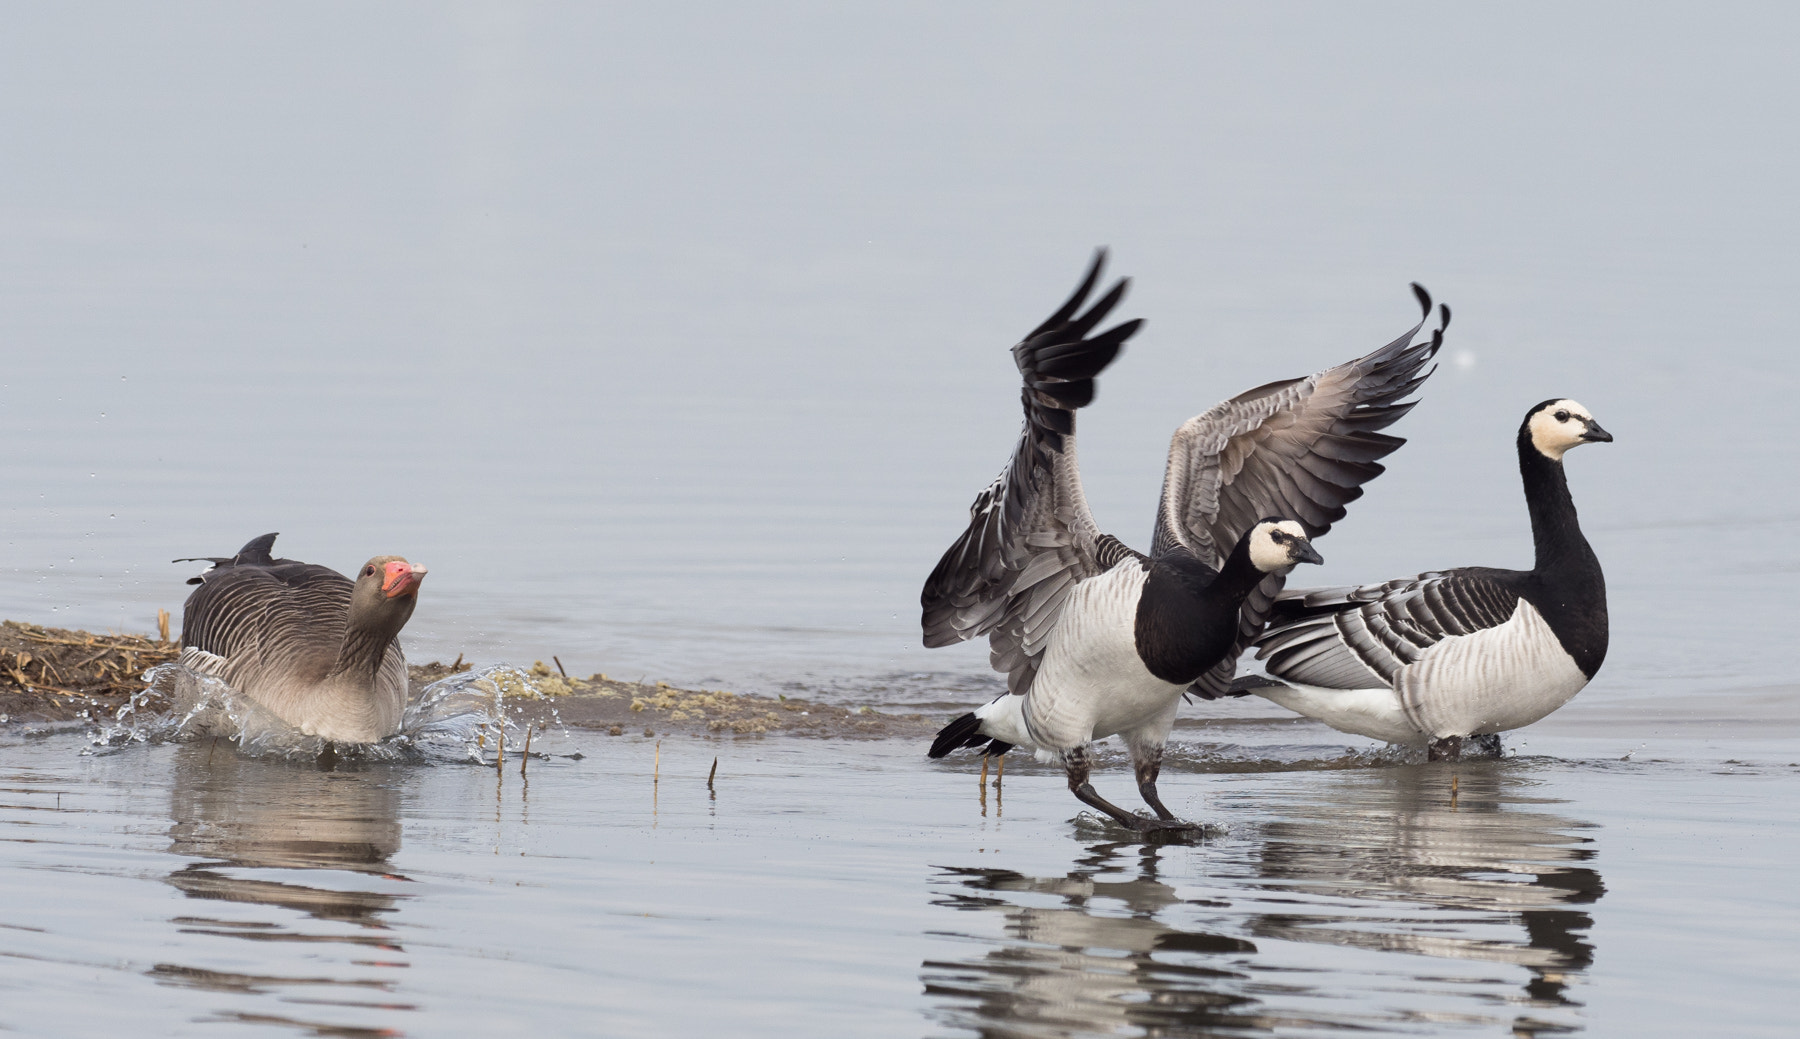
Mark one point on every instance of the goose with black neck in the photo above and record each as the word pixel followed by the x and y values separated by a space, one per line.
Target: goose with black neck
pixel 1097 639
pixel 1455 657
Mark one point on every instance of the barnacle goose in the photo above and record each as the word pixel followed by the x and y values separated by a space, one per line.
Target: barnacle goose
pixel 1462 654
pixel 1097 639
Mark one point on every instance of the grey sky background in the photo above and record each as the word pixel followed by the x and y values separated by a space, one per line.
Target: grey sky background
pixel 673 339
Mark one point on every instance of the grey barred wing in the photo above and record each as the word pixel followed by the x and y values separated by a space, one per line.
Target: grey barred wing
pixel 1031 536
pixel 1352 638
pixel 1298 449
pixel 255 617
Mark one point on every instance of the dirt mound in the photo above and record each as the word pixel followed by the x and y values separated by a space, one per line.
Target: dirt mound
pixel 54 674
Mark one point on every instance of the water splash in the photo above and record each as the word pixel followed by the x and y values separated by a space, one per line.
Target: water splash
pixel 468 717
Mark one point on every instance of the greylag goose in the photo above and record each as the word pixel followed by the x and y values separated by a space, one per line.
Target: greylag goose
pixel 1462 654
pixel 1097 639
pixel 315 648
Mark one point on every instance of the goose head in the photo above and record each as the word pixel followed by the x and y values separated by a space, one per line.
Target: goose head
pixel 385 592
pixel 1559 424
pixel 1279 545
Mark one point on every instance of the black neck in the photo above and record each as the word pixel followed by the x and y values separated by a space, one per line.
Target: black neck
pixel 1187 615
pixel 1555 529
pixel 1239 576
pixel 1565 585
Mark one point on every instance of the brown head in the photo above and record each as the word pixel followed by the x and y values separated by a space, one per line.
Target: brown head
pixel 386 590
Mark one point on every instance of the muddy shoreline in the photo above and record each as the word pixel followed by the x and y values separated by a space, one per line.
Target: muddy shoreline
pixel 61 675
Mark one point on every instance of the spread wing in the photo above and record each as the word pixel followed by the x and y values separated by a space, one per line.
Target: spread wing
pixel 1030 536
pixel 1299 449
pixel 1360 638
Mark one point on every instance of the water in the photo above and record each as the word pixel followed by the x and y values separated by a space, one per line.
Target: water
pixel 673 342
pixel 180 887
pixel 468 716
pixel 676 345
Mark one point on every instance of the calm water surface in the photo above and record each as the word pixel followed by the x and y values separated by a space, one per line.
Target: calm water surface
pixel 178 889
pixel 674 342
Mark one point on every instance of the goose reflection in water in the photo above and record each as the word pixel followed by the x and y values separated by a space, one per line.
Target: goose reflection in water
pixel 1383 860
pixel 1105 958
pixel 1468 858
pixel 258 831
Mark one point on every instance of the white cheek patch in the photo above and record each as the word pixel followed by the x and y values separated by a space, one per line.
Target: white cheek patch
pixel 1552 438
pixel 1268 556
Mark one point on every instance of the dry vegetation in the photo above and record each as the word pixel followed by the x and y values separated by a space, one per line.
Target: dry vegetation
pixel 53 674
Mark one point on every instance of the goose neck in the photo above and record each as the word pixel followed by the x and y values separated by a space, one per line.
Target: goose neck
pixel 1555 528
pixel 363 648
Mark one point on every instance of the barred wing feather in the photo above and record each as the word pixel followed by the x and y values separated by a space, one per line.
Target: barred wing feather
pixel 1350 638
pixel 1300 448
pixel 1031 536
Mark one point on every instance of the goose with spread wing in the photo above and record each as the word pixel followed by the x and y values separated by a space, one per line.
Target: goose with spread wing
pixel 315 648
pixel 1097 639
pixel 1457 655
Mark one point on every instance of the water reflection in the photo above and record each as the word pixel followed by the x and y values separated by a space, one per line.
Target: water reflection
pixel 1087 954
pixel 1464 860
pixel 1216 940
pixel 288 855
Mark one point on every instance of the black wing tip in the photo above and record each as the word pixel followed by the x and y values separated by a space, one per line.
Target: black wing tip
pixel 1424 298
pixel 256 550
pixel 963 732
pixel 1079 297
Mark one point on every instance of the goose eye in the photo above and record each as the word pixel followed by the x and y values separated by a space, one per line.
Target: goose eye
pixel 1562 416
pixel 368 571
pixel 1277 536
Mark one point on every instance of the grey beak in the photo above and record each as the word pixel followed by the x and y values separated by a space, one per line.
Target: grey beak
pixel 1303 552
pixel 1594 434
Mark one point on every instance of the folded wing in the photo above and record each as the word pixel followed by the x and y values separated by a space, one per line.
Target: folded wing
pixel 1360 638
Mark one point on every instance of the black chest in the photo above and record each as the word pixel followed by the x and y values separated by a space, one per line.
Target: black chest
pixel 1572 601
pixel 1187 619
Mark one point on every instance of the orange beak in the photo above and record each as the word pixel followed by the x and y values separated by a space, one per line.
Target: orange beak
pixel 401 578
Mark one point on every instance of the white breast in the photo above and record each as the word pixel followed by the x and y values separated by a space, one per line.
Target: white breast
pixel 1091 683
pixel 1497 679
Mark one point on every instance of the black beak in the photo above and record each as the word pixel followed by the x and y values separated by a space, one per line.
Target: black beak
pixel 1594 434
pixel 1303 552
